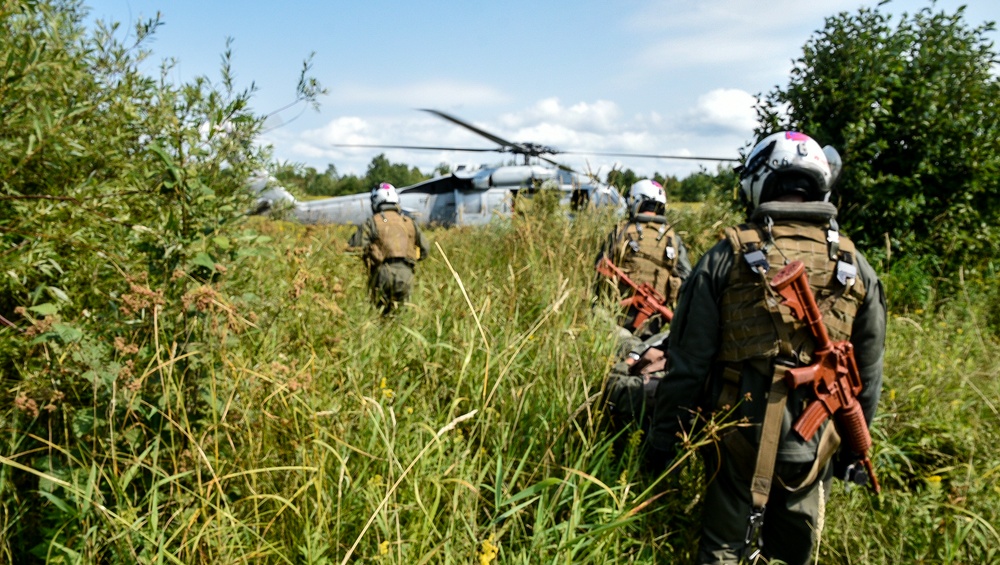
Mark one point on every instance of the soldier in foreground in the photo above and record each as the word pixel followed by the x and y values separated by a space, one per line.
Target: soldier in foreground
pixel 392 244
pixel 648 250
pixel 733 343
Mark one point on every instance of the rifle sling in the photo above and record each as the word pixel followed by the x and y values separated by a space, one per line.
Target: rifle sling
pixel 744 453
pixel 654 260
pixel 770 435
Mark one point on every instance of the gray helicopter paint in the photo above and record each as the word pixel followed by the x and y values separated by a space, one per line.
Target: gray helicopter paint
pixel 466 198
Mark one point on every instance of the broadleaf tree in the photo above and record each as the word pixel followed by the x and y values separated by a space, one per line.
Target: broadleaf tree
pixel 912 106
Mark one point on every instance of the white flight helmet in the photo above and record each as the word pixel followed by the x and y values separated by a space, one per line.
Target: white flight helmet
pixel 647 191
pixel 384 193
pixel 788 162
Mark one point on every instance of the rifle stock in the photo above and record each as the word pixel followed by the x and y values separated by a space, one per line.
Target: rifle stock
pixel 834 375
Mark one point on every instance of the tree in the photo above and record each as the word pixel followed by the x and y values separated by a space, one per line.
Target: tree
pixel 914 112
pixel 622 179
pixel 398 174
pixel 697 187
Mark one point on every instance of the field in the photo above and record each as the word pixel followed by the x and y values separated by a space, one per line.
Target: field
pixel 297 426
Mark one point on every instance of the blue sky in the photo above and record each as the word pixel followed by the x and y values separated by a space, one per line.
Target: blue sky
pixel 641 76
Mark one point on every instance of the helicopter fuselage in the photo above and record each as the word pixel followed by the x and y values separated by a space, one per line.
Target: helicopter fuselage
pixel 464 198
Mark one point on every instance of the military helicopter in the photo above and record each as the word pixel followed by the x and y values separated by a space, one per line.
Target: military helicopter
pixel 467 195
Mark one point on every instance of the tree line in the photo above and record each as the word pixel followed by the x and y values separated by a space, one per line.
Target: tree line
pixel 306 180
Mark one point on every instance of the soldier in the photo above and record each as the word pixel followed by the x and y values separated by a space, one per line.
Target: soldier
pixel 646 248
pixel 392 245
pixel 731 341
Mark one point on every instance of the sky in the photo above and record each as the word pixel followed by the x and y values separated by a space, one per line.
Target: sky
pixel 664 77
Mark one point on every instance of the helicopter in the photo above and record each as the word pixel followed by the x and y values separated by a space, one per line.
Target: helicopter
pixel 466 196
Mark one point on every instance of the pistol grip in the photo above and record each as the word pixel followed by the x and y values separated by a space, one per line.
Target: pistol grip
pixel 797 377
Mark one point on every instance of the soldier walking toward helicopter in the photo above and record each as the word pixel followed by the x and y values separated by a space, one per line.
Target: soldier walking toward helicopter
pixel 392 244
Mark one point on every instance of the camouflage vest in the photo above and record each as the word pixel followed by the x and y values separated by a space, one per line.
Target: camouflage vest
pixel 646 253
pixel 754 323
pixel 396 238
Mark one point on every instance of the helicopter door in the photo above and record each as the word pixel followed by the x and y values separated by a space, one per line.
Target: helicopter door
pixel 443 209
pixel 498 202
pixel 471 211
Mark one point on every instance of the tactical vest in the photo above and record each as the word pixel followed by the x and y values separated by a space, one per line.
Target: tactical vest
pixel 646 253
pixel 396 238
pixel 754 323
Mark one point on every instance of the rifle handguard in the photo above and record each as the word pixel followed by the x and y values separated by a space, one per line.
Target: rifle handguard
pixel 834 376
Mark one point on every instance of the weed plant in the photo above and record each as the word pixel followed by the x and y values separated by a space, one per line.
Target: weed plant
pixel 286 421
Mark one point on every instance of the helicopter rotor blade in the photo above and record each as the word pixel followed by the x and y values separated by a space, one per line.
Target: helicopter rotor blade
pixel 419 147
pixel 535 150
pixel 652 156
pixel 506 145
pixel 557 164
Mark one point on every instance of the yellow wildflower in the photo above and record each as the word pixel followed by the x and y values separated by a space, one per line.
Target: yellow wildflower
pixel 488 551
pixel 386 391
pixel 383 548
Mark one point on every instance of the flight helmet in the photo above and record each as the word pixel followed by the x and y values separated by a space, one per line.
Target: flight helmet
pixel 384 193
pixel 647 196
pixel 788 162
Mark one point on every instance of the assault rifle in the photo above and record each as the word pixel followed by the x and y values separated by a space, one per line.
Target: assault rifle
pixel 645 299
pixel 834 375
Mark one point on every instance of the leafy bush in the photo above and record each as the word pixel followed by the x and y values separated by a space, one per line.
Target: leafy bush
pixel 912 110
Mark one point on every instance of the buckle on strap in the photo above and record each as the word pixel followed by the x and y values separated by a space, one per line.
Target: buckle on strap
pixel 752 544
pixel 756 259
pixel 833 239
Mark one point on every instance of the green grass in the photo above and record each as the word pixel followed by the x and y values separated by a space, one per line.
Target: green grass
pixel 297 426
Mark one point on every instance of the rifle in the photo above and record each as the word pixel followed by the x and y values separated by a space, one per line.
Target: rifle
pixel 834 375
pixel 645 299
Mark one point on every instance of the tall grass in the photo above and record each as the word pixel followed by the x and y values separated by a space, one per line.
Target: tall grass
pixel 462 429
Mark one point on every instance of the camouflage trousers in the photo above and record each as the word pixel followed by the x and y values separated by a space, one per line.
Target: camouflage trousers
pixel 391 284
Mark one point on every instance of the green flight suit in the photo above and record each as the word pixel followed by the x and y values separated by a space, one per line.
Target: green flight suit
pixel 392 245
pixel 696 380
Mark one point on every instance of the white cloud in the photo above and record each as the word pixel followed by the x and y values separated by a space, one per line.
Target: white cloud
pixel 599 116
pixel 717 125
pixel 718 37
pixel 435 94
pixel 722 110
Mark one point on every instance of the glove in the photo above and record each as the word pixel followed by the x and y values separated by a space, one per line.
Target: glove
pixel 846 467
